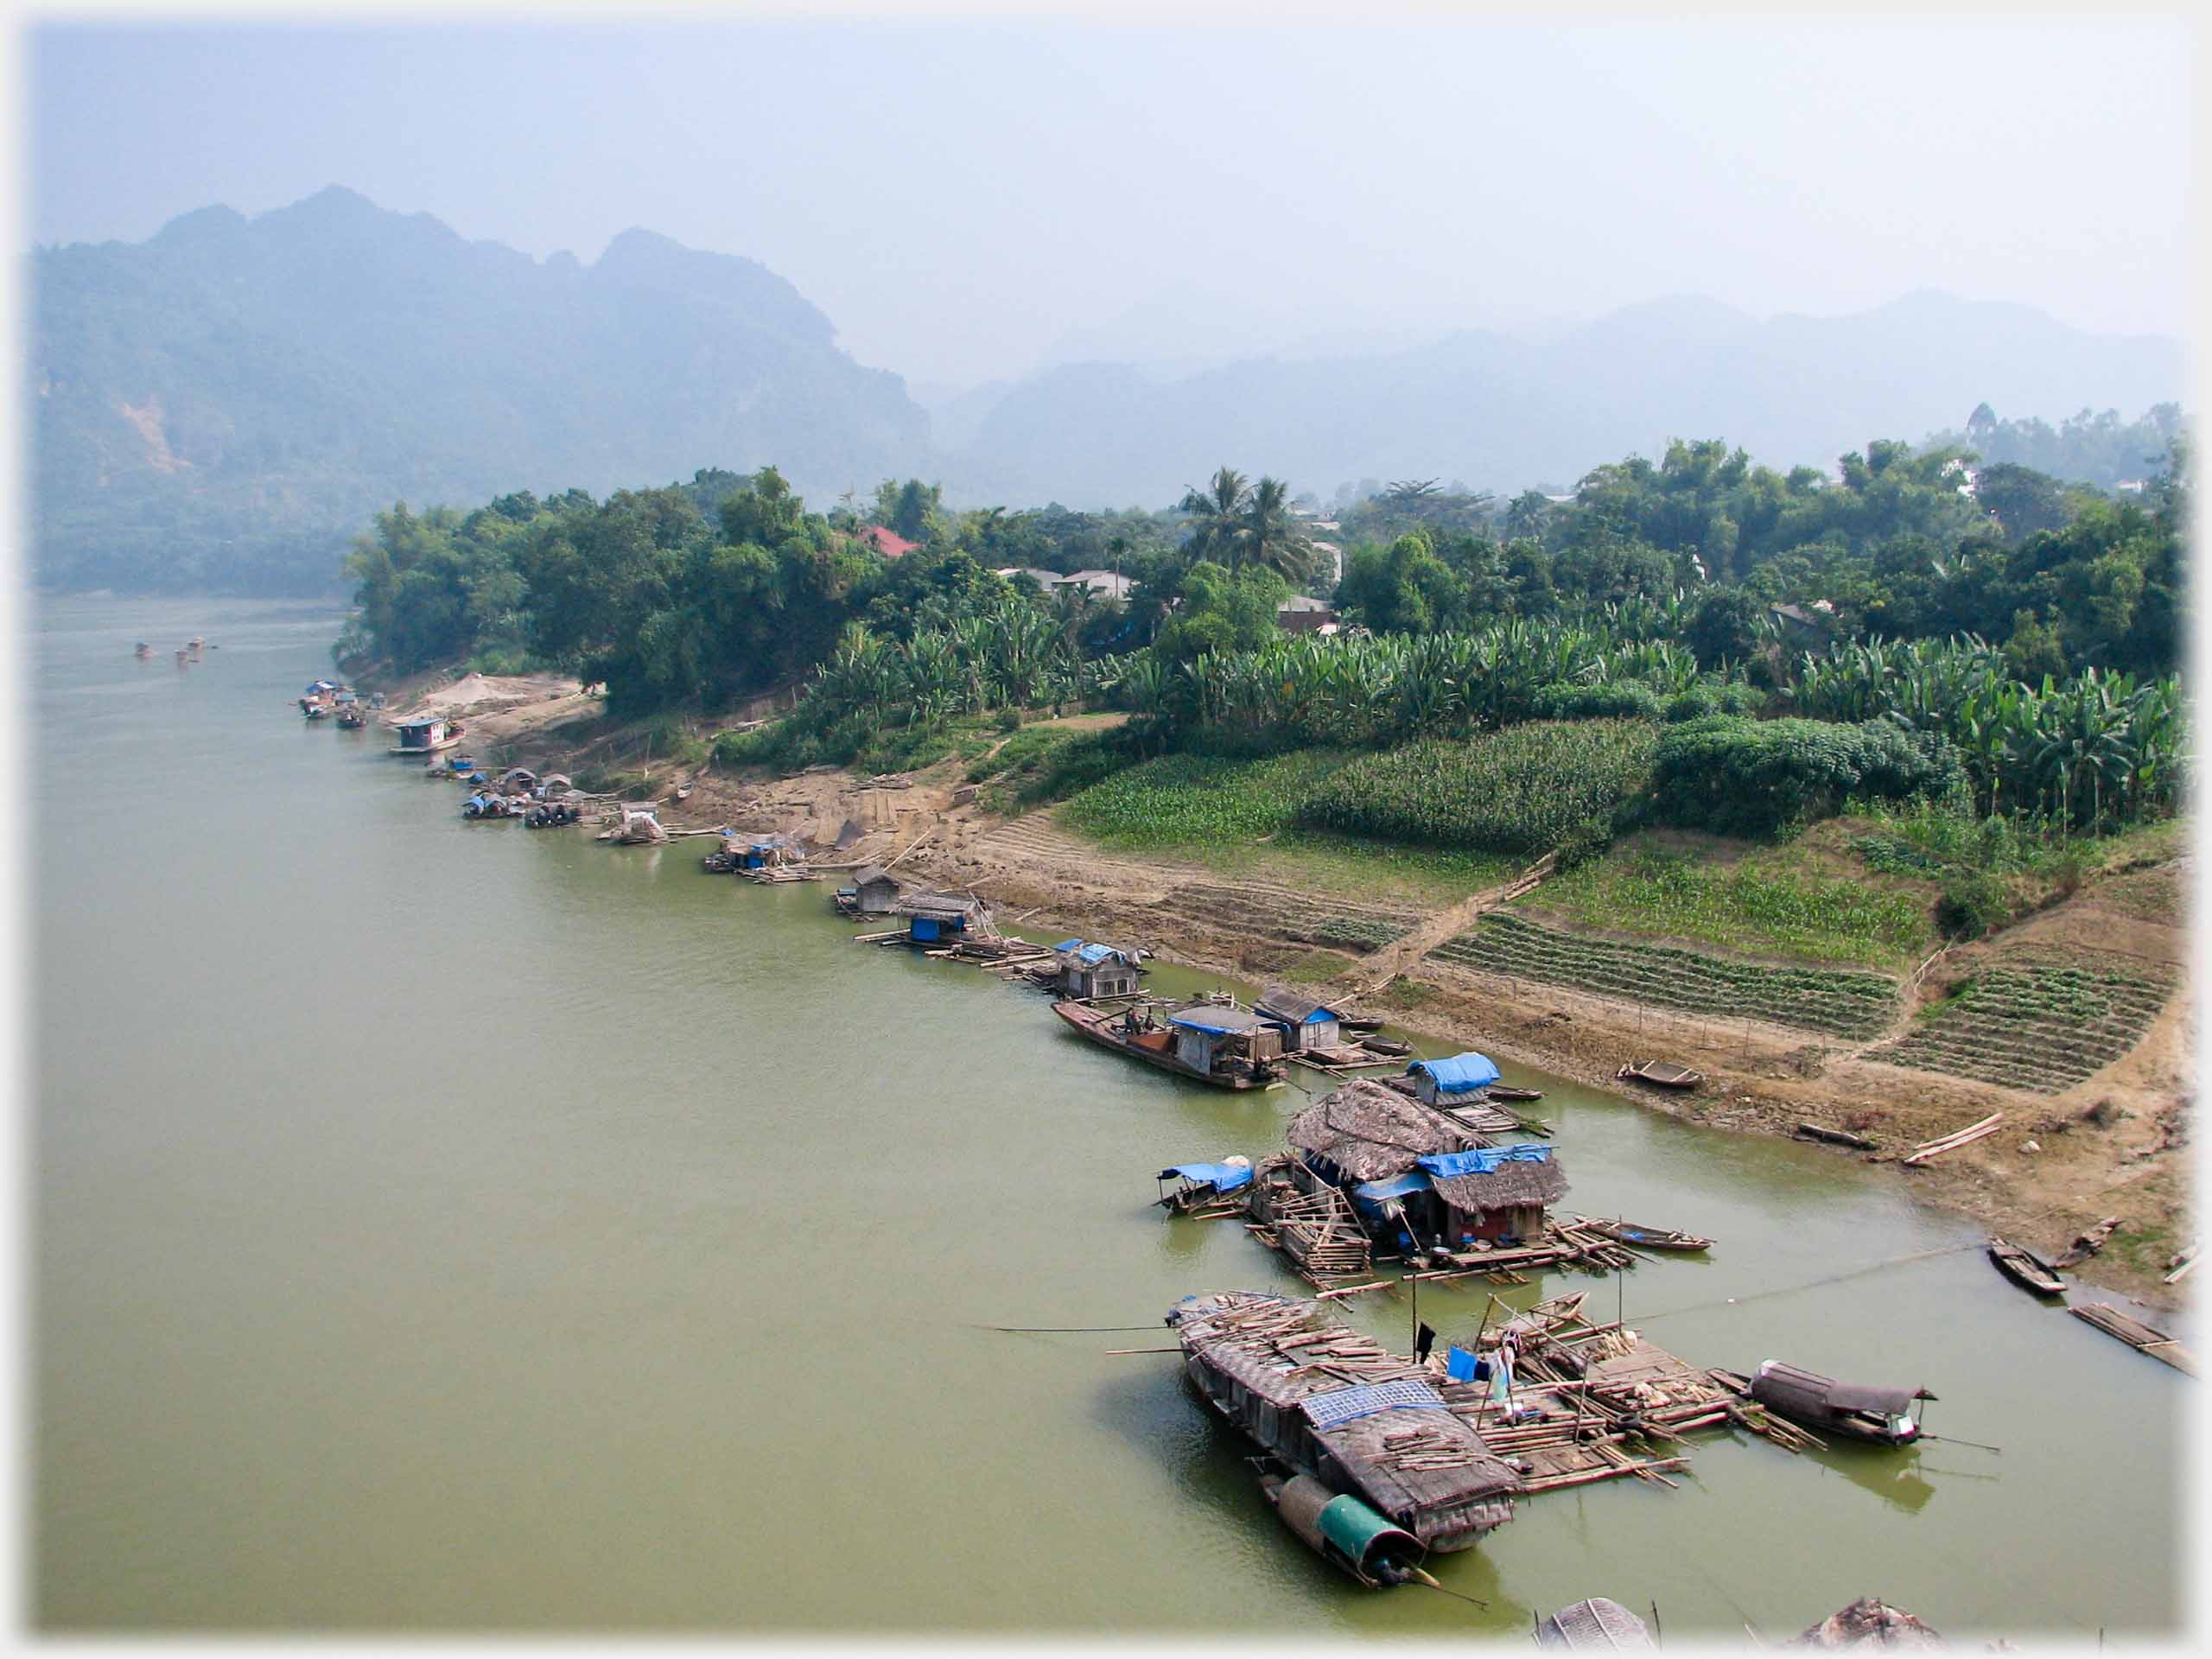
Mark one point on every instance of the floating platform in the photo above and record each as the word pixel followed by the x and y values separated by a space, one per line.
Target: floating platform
pixel 2143 1338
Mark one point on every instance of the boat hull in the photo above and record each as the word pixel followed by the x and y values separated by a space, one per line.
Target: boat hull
pixel 1090 1023
pixel 2024 1269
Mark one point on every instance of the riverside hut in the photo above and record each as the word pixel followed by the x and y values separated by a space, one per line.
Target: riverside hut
pixel 1449 1083
pixel 1494 1193
pixel 936 918
pixel 1087 971
pixel 424 736
pixel 1206 1034
pixel 1306 1022
pixel 874 891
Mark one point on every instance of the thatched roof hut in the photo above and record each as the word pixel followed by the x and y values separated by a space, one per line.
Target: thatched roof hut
pixel 1501 1178
pixel 1366 1132
pixel 1869 1622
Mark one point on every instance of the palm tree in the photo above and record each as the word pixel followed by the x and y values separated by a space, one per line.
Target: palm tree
pixel 1217 516
pixel 1273 538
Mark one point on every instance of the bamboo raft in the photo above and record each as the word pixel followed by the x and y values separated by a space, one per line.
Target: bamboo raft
pixel 2143 1338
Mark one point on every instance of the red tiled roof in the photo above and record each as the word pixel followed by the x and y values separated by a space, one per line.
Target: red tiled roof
pixel 890 544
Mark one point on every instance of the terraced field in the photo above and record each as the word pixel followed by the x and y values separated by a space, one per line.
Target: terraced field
pixel 2042 1026
pixel 1841 1003
pixel 1266 911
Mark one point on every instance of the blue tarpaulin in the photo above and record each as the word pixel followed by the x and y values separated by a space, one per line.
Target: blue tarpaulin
pixel 1068 944
pixel 1483 1160
pixel 1223 1178
pixel 1095 954
pixel 1457 1075
pixel 1341 1406
pixel 1217 1020
pixel 1414 1180
pixel 1461 1366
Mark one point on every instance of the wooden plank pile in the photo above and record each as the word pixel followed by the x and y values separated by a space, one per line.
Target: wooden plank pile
pixel 1943 1143
pixel 2143 1338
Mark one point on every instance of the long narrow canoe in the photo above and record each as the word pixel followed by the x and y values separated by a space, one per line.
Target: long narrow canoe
pixel 1647 1238
pixel 2025 1269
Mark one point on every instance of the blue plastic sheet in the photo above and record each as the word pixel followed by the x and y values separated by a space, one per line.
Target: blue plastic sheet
pixel 1457 1075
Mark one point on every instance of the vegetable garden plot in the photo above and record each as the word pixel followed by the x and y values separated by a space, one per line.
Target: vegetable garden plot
pixel 1281 913
pixel 2038 1026
pixel 1843 1004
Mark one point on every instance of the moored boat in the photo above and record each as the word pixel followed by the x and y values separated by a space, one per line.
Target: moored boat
pixel 1642 1237
pixel 1345 1532
pixel 1386 1439
pixel 1598 1623
pixel 1507 1091
pixel 1882 1415
pixel 1664 1073
pixel 1221 1044
pixel 2025 1269
pixel 1201 1185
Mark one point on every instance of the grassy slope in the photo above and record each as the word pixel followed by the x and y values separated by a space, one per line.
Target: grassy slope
pixel 1234 816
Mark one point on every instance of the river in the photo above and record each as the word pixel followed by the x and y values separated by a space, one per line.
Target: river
pixel 448 1226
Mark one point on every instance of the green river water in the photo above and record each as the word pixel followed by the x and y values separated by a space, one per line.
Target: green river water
pixel 450 1226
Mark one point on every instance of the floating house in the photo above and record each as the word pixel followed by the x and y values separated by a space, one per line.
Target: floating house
pixel 641 825
pixel 762 852
pixel 1416 1178
pixel 1387 1438
pixel 1089 971
pixel 1215 1042
pixel 874 891
pixel 1306 1022
pixel 1449 1083
pixel 425 736
pixel 934 918
pixel 1207 1034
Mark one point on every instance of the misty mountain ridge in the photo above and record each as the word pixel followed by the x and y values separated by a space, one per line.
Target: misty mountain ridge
pixel 1504 410
pixel 226 403
pixel 230 401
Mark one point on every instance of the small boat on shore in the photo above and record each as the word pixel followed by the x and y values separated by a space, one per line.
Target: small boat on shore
pixel 1217 1042
pixel 1642 1237
pixel 1666 1074
pixel 2025 1269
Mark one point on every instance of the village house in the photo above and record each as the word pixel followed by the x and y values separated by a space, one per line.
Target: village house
pixel 1086 970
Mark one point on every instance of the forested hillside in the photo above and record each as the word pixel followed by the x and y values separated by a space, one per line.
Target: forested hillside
pixel 225 405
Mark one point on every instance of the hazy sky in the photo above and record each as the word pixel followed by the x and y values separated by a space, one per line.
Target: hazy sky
pixel 963 198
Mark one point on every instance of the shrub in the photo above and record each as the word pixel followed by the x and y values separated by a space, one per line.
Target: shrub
pixel 1614 699
pixel 1701 701
pixel 1973 902
pixel 1742 776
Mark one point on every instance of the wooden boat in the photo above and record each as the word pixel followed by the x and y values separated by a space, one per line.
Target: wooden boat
pixel 1347 1424
pixel 144 651
pixel 2143 1338
pixel 1389 1047
pixel 1357 1025
pixel 1665 1073
pixel 1644 1238
pixel 1227 1046
pixel 351 720
pixel 1206 1186
pixel 1882 1415
pixel 1506 1091
pixel 1345 1532
pixel 2025 1269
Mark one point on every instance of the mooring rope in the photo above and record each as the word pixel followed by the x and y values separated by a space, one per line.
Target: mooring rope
pixel 1811 1284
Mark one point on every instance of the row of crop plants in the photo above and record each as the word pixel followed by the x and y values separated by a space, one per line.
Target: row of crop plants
pixel 1841 1003
pixel 2041 1028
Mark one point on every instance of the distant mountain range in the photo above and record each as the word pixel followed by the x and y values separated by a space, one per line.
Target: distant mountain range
pixel 1507 413
pixel 224 405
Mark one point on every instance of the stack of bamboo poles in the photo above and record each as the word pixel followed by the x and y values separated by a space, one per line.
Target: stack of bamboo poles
pixel 1943 1143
